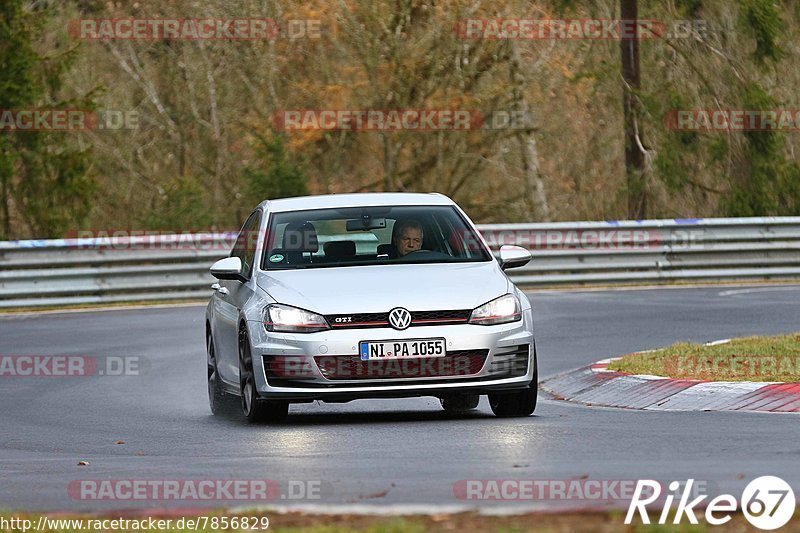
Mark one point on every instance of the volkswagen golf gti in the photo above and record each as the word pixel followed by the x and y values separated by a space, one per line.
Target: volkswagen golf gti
pixel 376 295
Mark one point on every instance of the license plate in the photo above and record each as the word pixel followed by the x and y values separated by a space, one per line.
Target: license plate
pixel 406 349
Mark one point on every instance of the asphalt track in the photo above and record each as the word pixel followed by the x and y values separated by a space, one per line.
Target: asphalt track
pixel 385 453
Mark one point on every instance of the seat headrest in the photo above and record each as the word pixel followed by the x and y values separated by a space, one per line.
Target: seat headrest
pixel 340 249
pixel 387 249
pixel 300 237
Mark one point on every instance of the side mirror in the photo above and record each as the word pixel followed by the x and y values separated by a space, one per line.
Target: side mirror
pixel 513 256
pixel 229 268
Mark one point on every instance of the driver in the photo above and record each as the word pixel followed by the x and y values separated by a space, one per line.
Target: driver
pixel 408 237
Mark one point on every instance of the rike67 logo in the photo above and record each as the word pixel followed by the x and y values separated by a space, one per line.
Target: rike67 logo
pixel 767 503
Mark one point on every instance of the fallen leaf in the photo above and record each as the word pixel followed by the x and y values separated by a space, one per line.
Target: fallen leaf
pixel 381 494
pixel 83 463
pixel 120 442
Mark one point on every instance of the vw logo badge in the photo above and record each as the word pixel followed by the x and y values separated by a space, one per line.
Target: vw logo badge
pixel 399 318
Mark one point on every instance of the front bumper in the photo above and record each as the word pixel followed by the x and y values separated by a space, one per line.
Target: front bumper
pixel 326 366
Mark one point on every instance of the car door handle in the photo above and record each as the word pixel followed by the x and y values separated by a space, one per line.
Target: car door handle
pixel 215 286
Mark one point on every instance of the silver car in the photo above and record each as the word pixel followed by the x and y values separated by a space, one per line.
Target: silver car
pixel 379 295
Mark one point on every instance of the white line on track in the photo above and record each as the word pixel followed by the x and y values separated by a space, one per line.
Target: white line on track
pixel 759 289
pixel 12 315
pixel 628 288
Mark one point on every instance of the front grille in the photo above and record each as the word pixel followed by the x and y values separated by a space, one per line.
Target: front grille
pixel 358 320
pixel 420 318
pixel 459 363
pixel 381 320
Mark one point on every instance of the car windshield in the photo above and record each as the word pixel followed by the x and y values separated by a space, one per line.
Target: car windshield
pixel 357 236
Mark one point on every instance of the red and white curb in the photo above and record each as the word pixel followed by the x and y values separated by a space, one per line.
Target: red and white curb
pixel 597 385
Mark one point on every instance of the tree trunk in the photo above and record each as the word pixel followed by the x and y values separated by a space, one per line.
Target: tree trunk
pixel 6 214
pixel 634 155
pixel 216 130
pixel 389 165
pixel 535 194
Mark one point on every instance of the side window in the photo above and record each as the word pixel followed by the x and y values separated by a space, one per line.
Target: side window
pixel 245 246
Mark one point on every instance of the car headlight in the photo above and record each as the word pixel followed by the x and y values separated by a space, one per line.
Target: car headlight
pixel 498 311
pixel 287 319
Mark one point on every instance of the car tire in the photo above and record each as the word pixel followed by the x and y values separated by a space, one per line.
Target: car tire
pixel 460 403
pixel 254 408
pixel 518 403
pixel 220 402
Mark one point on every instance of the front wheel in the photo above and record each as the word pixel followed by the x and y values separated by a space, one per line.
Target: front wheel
pixel 220 402
pixel 254 408
pixel 517 403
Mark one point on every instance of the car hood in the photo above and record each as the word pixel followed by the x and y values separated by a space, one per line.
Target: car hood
pixel 379 288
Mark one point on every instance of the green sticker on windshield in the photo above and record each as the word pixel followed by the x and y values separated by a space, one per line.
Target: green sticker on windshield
pixel 275 258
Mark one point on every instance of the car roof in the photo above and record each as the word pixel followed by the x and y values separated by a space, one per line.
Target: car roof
pixel 324 201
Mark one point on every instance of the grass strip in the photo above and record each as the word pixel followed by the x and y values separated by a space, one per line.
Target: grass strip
pixel 775 358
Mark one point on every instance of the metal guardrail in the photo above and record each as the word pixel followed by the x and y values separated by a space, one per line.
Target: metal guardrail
pixel 55 272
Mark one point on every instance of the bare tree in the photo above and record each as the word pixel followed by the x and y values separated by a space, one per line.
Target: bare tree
pixel 634 147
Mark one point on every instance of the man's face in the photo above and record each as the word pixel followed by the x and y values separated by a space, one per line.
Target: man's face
pixel 409 241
